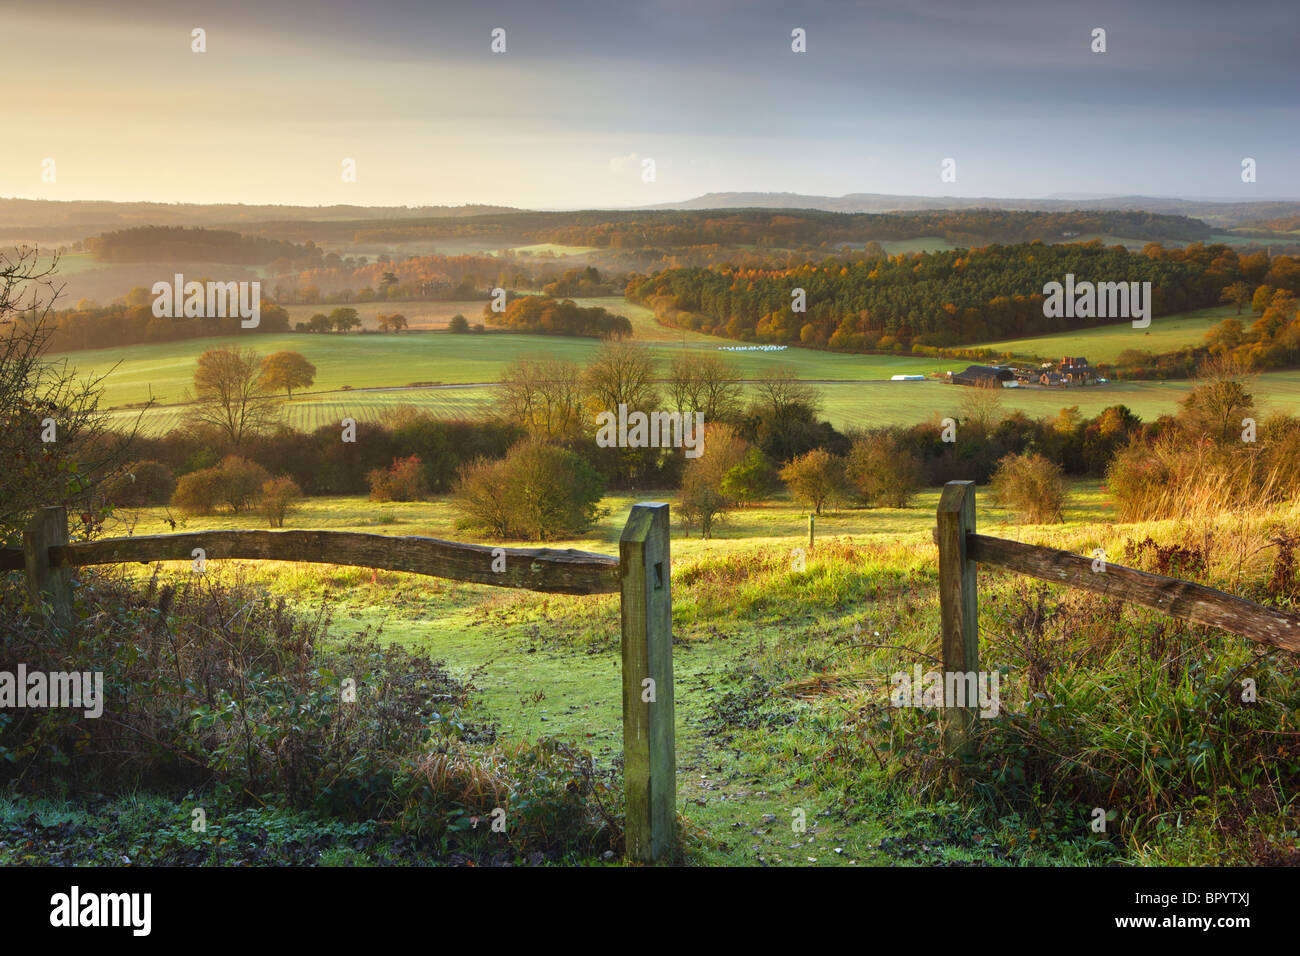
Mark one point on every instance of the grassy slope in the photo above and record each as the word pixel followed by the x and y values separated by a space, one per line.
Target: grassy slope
pixel 549 664
pixel 1105 343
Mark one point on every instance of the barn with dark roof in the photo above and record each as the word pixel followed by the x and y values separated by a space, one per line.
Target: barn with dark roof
pixel 983 375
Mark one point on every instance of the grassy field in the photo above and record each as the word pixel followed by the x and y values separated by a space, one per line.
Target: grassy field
pixel 844 404
pixel 1105 343
pixel 855 388
pixel 775 667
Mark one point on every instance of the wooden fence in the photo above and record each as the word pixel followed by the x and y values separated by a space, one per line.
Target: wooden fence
pixel 641 574
pixel 961 549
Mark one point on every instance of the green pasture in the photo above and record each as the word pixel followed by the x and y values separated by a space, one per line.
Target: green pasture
pixel 1105 343
pixel 845 404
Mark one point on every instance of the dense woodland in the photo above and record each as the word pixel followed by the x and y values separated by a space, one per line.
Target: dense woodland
pixel 178 244
pixel 132 322
pixel 548 316
pixel 941 298
pixel 786 228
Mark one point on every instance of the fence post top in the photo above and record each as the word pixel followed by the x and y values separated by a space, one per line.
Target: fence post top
pixel 954 493
pixel 642 519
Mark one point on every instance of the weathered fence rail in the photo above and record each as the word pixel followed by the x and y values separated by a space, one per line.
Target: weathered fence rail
pixel 641 575
pixel 961 549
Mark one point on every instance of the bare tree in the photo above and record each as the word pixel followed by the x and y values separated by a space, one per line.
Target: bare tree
pixel 622 373
pixel 543 395
pixel 780 397
pixel 231 394
pixel 705 383
pixel 55 444
pixel 981 405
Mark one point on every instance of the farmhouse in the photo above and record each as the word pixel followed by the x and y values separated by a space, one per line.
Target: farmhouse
pixel 1071 370
pixel 984 375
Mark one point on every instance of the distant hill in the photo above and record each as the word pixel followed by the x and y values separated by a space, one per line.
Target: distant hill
pixel 1216 213
pixel 54 219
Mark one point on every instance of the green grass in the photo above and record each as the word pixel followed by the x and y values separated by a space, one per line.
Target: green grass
pixel 778 670
pixel 896 247
pixel 855 388
pixel 545 664
pixel 1105 343
pixel 73 263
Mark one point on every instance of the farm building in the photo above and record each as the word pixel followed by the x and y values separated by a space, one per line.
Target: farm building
pixel 982 375
pixel 1071 370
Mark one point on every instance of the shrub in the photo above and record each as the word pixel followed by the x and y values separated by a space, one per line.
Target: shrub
pixel 883 471
pixel 537 491
pixel 815 478
pixel 236 482
pixel 403 480
pixel 219 690
pixel 279 495
pixel 1032 486
pixel 458 324
pixel 480 495
pixel 240 481
pixel 142 484
pixel 198 493
pixel 750 480
pixel 552 492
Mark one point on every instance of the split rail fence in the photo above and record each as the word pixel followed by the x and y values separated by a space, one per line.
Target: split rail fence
pixel 640 575
pixel 961 549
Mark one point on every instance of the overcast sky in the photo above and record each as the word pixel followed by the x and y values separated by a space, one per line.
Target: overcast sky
pixel 587 89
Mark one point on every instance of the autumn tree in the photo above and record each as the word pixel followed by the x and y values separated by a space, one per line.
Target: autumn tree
pixel 815 478
pixel 1237 294
pixel 344 318
pixel 231 395
pixel 287 370
pixel 1219 400
pixel 703 498
pixel 393 322
pixel 883 470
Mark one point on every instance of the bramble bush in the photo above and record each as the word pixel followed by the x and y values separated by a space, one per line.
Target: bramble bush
pixel 211 687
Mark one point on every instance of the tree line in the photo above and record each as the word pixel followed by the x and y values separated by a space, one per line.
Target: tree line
pixel 938 299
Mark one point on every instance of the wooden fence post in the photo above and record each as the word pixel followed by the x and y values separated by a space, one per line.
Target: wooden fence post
pixel 958 606
pixel 649 751
pixel 49 526
pixel 810 532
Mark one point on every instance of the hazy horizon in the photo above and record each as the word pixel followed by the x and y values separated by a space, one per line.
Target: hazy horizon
pixel 584 94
